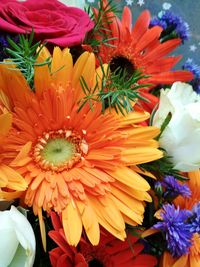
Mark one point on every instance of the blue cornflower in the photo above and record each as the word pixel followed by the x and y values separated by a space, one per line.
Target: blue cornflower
pixel 3 40
pixel 158 22
pixel 195 219
pixel 176 228
pixel 195 69
pixel 171 24
pixel 4 43
pixel 173 188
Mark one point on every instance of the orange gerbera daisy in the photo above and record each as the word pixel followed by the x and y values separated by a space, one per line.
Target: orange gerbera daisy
pixel 9 178
pixel 139 48
pixel 76 162
pixel 192 259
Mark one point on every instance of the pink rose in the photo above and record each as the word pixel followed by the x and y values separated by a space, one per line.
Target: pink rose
pixel 51 20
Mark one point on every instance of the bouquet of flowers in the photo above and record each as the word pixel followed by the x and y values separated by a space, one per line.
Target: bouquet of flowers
pixel 99 138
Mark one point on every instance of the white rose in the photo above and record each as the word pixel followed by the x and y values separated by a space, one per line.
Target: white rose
pixel 181 137
pixel 17 240
pixel 75 3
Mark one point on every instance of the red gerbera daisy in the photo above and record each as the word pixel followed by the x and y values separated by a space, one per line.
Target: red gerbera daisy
pixel 139 48
pixel 110 252
pixel 150 103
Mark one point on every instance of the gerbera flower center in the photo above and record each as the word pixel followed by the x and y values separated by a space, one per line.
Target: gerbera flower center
pixel 122 63
pixel 96 257
pixel 59 150
pixel 95 263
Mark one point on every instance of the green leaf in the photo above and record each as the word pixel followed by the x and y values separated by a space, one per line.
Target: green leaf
pixel 116 90
pixel 162 167
pixel 164 124
pixel 153 114
pixel 24 55
pixel 101 21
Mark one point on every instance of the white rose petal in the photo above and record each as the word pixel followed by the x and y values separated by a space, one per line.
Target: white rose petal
pixel 181 137
pixel 8 246
pixel 17 242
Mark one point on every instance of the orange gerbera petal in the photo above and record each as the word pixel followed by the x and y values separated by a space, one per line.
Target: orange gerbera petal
pixel 139 48
pixel 76 163
pixel 168 261
pixel 9 178
pixel 5 124
pixel 13 83
pixel 194 181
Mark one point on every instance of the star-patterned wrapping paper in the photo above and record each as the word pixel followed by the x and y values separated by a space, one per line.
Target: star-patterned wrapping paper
pixel 188 10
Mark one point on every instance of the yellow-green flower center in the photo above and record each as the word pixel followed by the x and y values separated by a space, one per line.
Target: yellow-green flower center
pixel 59 150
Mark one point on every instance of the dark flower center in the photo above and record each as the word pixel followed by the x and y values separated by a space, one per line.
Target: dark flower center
pixel 95 263
pixel 121 63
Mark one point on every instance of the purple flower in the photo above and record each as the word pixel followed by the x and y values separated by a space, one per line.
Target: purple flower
pixel 4 44
pixel 195 69
pixel 172 25
pixel 158 22
pixel 176 228
pixel 173 188
pixel 195 219
pixel 3 40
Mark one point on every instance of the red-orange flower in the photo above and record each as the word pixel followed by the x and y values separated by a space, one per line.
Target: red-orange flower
pixel 110 252
pixel 139 48
pixel 150 103
pixel 76 163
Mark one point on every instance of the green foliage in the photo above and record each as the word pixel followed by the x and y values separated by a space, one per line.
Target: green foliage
pixel 167 35
pixel 164 124
pixel 115 91
pixel 101 34
pixel 24 56
pixel 152 115
pixel 162 167
pixel 156 244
